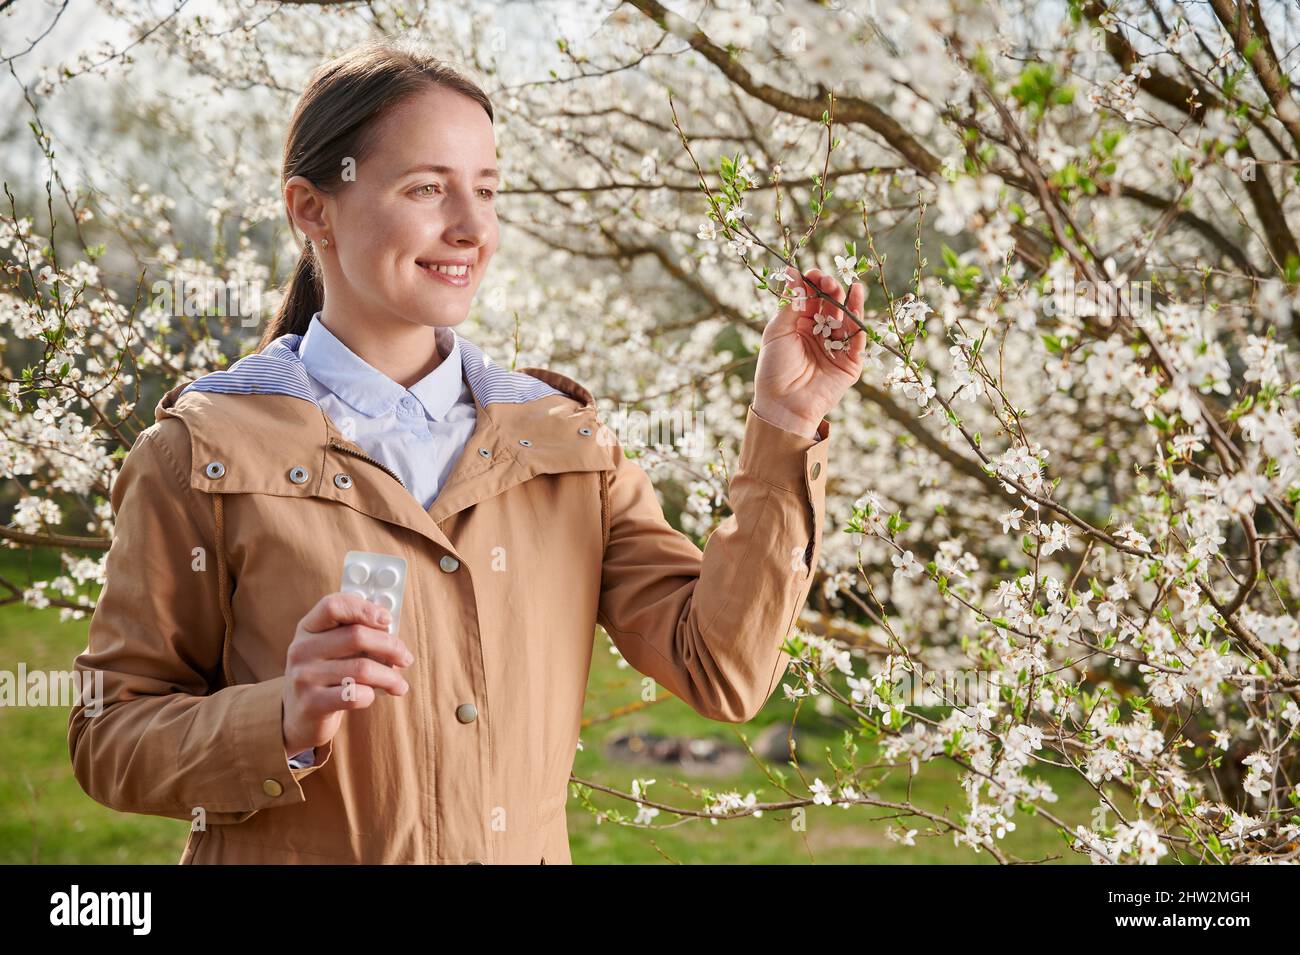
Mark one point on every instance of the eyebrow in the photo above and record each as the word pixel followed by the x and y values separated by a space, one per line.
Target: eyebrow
pixel 487 173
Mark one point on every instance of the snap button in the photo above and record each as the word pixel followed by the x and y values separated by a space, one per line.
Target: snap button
pixel 298 475
pixel 467 712
pixel 448 563
pixel 525 442
pixel 343 481
pixel 484 452
pixel 215 469
pixel 816 468
pixel 272 787
pixel 585 432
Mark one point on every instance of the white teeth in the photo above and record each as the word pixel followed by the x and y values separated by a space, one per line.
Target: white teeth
pixel 449 269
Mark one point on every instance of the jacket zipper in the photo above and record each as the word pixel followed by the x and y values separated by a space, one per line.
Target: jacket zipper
pixel 365 457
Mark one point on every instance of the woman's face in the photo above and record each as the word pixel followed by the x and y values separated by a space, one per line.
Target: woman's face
pixel 423 197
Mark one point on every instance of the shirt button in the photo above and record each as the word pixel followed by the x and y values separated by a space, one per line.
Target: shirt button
pixel 467 712
pixel 408 402
pixel 272 787
pixel 449 563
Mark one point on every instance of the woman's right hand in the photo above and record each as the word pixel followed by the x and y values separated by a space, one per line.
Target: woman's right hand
pixel 341 654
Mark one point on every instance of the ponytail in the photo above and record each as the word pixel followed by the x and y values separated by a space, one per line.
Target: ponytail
pixel 303 298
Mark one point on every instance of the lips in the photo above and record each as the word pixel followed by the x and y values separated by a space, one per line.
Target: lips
pixel 458 281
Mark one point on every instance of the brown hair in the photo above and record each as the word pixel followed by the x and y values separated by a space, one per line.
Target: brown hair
pixel 334 119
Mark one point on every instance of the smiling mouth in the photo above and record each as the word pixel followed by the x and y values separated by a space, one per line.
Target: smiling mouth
pixel 456 275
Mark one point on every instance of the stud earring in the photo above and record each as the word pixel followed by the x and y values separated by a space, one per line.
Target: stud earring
pixel 325 242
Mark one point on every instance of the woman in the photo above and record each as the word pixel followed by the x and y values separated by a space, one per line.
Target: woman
pixel 246 691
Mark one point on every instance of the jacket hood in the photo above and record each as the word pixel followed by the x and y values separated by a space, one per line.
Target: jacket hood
pixel 260 420
pixel 279 370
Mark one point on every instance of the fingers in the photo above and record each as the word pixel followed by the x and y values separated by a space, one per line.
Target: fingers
pixel 343 654
pixel 856 301
pixel 857 298
pixel 857 338
pixel 839 303
pixel 326 686
pixel 318 702
pixel 330 674
pixel 804 300
pixel 836 326
pixel 835 289
pixel 830 287
pixel 827 318
pixel 813 303
pixel 354 640
pixel 337 609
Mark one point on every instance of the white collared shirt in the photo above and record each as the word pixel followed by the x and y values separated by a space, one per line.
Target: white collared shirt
pixel 418 432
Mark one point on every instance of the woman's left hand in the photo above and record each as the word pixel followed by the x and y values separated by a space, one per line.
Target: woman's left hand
pixel 798 380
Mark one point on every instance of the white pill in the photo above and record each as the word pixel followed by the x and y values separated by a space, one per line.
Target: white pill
pixel 379 578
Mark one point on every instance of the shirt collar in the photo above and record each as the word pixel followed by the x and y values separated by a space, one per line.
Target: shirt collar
pixel 369 390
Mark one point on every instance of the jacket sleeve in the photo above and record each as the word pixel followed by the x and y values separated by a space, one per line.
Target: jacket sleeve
pixel 154 730
pixel 708 625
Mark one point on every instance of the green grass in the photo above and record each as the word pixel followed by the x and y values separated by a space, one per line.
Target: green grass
pixel 830 834
pixel 46 818
pixel 44 815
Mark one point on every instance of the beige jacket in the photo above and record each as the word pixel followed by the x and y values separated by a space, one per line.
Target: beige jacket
pixel 544 529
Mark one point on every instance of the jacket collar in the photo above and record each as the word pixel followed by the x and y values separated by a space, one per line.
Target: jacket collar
pixel 260 420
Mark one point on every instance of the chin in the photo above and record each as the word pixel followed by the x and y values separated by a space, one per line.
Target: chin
pixel 440 314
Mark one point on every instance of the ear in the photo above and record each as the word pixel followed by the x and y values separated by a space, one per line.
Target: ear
pixel 307 206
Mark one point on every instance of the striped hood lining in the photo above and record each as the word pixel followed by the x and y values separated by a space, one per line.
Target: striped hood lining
pixel 279 370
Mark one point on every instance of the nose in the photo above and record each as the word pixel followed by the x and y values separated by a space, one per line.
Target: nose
pixel 470 221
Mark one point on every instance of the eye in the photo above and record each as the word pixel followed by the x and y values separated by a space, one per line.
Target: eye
pixel 427 185
pixel 490 193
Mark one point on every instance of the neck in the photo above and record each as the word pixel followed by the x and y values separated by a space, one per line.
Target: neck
pixel 402 350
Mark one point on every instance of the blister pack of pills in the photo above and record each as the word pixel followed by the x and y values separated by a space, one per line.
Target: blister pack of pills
pixel 380 578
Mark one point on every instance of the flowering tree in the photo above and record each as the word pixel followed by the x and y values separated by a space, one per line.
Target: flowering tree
pixel 1065 492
